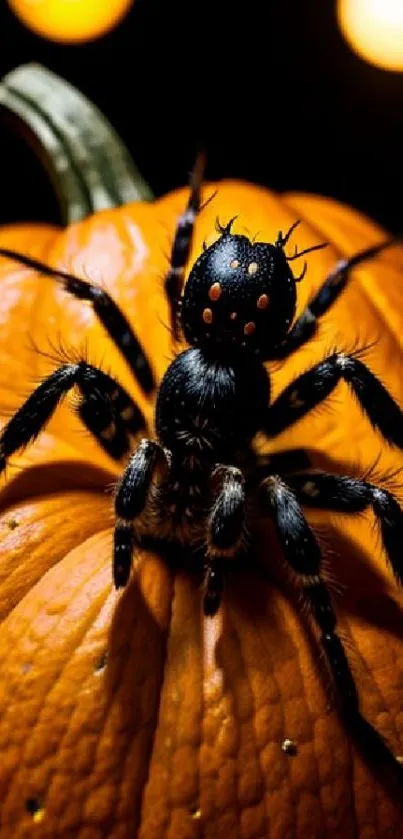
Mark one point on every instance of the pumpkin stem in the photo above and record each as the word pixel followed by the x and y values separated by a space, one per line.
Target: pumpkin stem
pixel 88 164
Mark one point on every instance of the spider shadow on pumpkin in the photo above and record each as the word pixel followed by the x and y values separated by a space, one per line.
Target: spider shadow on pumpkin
pixel 358 588
pixel 349 567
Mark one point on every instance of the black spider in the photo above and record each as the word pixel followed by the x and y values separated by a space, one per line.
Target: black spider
pixel 197 482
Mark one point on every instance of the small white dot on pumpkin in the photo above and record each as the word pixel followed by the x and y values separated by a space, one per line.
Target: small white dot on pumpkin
pixel 289 747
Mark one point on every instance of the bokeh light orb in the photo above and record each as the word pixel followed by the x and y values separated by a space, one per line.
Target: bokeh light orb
pixel 374 30
pixel 70 21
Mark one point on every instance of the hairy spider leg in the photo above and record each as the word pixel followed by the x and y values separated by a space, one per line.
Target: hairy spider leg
pixel 306 325
pixel 352 495
pixel 302 554
pixel 281 242
pixel 105 407
pixel 108 313
pixel 225 527
pixel 312 387
pixel 173 283
pixel 130 502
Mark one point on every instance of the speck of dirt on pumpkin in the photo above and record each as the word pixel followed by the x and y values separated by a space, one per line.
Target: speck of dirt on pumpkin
pixel 289 747
pixel 102 661
pixel 12 524
pixel 36 809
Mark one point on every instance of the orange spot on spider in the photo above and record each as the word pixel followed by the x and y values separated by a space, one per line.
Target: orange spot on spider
pixel 263 301
pixel 249 328
pixel 207 316
pixel 235 263
pixel 215 291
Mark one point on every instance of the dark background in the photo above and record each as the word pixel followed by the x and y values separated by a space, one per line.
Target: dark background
pixel 270 88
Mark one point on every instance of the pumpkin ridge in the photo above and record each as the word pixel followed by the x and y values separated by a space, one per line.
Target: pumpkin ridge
pixel 276 682
pixel 49 476
pixel 41 604
pixel 95 608
pixel 266 646
pixel 322 669
pixel 178 719
pixel 37 241
pixel 244 669
pixel 376 686
pixel 367 287
pixel 36 309
pixel 155 732
pixel 310 675
pixel 106 711
pixel 17 577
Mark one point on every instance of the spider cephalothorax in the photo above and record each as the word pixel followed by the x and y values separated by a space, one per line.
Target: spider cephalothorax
pixel 240 295
pixel 197 480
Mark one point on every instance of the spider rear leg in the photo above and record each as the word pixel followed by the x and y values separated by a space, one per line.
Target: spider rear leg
pixel 302 553
pixel 225 529
pixel 312 387
pixel 130 502
pixel 306 325
pixel 110 316
pixel 351 495
pixel 182 243
pixel 105 407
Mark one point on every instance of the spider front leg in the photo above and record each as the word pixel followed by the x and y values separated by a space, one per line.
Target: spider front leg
pixel 312 387
pixel 225 528
pixel 130 502
pixel 306 325
pixel 105 407
pixel 351 495
pixel 302 553
pixel 174 279
pixel 107 311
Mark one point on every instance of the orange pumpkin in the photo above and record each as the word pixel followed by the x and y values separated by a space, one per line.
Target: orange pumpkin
pixel 129 714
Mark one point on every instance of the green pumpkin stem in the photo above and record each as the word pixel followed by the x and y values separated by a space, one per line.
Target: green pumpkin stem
pixel 89 166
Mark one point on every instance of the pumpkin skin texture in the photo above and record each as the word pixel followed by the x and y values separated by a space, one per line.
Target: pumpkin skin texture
pixel 128 714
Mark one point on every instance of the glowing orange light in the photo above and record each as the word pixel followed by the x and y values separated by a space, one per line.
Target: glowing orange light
pixel 374 29
pixel 71 21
